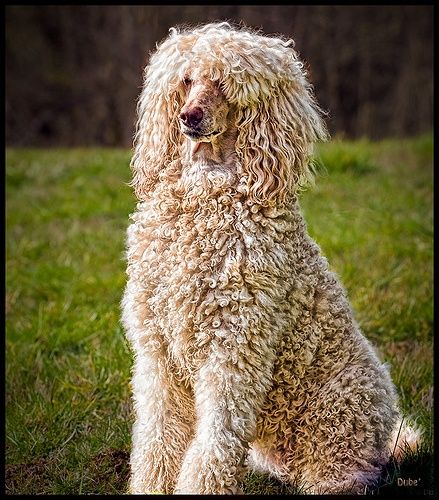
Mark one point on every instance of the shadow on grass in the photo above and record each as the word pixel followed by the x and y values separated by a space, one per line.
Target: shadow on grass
pixel 413 476
pixel 261 484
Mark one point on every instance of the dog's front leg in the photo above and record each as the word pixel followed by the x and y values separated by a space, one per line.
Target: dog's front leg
pixel 163 425
pixel 229 392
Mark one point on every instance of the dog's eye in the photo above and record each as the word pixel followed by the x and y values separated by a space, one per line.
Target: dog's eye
pixel 187 81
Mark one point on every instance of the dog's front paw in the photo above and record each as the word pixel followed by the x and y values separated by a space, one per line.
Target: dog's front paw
pixel 203 473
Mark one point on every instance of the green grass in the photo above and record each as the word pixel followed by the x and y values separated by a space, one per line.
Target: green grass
pixel 68 409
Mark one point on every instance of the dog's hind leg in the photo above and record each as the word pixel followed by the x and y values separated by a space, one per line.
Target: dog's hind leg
pixel 340 440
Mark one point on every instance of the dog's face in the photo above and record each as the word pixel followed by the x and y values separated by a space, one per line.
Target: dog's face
pixel 205 112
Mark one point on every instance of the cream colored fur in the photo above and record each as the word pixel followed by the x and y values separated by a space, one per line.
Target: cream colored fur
pixel 247 354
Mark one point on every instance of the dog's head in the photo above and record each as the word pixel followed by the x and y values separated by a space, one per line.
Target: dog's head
pixel 205 112
pixel 196 77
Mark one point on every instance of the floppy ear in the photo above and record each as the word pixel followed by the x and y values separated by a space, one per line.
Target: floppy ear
pixel 275 142
pixel 156 142
pixel 157 137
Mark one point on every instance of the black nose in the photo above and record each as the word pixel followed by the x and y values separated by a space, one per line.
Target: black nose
pixel 192 117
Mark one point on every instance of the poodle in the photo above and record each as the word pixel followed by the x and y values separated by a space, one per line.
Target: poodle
pixel 247 354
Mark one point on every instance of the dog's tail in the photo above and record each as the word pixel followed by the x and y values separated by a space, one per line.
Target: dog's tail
pixel 406 438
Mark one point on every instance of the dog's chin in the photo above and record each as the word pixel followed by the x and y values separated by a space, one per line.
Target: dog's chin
pixel 197 136
pixel 200 141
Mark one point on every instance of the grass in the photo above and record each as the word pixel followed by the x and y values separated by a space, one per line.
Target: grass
pixel 68 410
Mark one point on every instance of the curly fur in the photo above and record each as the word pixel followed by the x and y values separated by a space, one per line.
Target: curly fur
pixel 247 353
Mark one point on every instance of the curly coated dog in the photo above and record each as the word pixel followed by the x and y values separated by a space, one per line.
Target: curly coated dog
pixel 247 354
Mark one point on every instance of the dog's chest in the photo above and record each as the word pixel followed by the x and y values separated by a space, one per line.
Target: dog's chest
pixel 184 260
pixel 199 266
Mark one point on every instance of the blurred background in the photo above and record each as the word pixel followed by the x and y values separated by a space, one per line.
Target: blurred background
pixel 73 73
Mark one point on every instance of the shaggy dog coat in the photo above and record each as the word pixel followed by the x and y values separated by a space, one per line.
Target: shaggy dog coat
pixel 246 350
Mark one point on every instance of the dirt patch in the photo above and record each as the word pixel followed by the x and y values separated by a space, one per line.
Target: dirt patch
pixel 111 471
pixel 31 478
